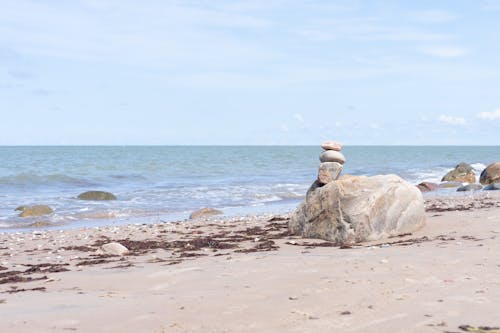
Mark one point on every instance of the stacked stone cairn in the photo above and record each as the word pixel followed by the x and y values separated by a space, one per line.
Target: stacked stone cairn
pixel 332 161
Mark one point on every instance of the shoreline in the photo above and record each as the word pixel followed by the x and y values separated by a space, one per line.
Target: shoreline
pixel 247 273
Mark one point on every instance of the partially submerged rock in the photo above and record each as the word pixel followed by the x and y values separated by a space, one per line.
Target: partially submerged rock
pixel 450 184
pixel 492 187
pixel 355 209
pixel 37 210
pixel 491 174
pixel 204 212
pixel 462 173
pixel 97 196
pixel 427 187
pixel 470 187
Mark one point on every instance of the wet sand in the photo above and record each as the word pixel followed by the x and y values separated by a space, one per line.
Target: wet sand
pixel 249 275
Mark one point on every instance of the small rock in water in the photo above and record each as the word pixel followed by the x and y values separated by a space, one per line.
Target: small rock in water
pixel 492 187
pixel 462 173
pixel 450 184
pixel 332 145
pixel 114 248
pixel 204 212
pixel 38 210
pixel 328 172
pixel 97 196
pixel 427 186
pixel 332 156
pixel 470 187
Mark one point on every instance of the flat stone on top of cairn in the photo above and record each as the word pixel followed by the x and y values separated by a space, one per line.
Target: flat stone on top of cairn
pixel 331 162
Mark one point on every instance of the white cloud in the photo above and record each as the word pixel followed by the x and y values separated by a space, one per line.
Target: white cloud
pixel 298 117
pixel 452 120
pixel 374 126
pixel 445 51
pixel 489 115
pixel 434 16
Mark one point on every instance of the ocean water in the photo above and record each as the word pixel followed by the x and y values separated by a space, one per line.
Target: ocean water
pixel 165 183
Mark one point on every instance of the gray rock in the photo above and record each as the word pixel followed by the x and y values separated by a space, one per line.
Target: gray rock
pixel 38 210
pixel 463 173
pixel 492 187
pixel 204 212
pixel 113 248
pixel 328 172
pixel 97 196
pixel 470 187
pixel 491 174
pixel 332 156
pixel 355 209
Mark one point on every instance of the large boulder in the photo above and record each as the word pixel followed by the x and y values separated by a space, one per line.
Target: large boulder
pixel 491 174
pixel 463 173
pixel 97 196
pixel 38 210
pixel 204 212
pixel 355 209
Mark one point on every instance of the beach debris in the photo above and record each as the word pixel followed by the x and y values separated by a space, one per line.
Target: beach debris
pixel 470 187
pixel 96 196
pixel 37 210
pixel 463 173
pixel 113 248
pixel 427 186
pixel 491 174
pixel 479 329
pixel 204 212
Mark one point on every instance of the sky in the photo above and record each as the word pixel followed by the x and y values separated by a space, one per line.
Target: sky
pixel 238 72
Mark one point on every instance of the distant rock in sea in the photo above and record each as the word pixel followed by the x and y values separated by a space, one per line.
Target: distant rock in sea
pixel 450 184
pixel 463 173
pixel 204 212
pixel 31 211
pixel 97 196
pixel 491 174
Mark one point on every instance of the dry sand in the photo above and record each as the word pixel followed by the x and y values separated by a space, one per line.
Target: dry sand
pixel 248 275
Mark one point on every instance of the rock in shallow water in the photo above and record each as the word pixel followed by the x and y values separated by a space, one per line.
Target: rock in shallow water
pixel 38 210
pixel 332 156
pixel 204 212
pixel 355 209
pixel 492 187
pixel 450 184
pixel 462 173
pixel 470 187
pixel 427 186
pixel 97 196
pixel 328 172
pixel 491 174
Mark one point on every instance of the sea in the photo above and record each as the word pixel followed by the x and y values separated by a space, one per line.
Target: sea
pixel 167 183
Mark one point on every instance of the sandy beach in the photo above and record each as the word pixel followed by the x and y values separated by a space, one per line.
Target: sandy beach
pixel 247 274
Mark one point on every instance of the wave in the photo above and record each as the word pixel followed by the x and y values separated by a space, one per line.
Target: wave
pixel 35 179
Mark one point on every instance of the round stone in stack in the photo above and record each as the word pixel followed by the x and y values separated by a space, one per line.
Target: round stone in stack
pixel 332 145
pixel 332 156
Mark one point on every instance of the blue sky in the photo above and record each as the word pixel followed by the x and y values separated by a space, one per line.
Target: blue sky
pixel 249 72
